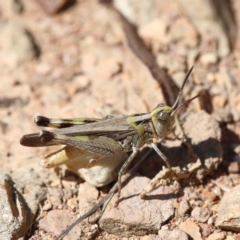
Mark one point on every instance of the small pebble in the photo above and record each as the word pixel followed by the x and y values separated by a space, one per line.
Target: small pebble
pixel 211 219
pixel 208 59
pixel 47 207
pixel 60 206
pixel 234 167
pixel 200 214
pixel 51 7
pixel 217 190
pixel 72 202
pixel 184 208
pixel 209 196
pixel 217 236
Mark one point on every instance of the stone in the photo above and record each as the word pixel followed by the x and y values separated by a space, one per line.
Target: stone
pixel 170 62
pixel 15 216
pixel 154 30
pixel 184 208
pixel 58 220
pixel 87 198
pixel 209 196
pixel 47 207
pixel 57 196
pixel 210 23
pixel 82 82
pixel 191 228
pixel 208 59
pixel 17 45
pixel 206 230
pixel 11 7
pixel 135 216
pixel 217 236
pixel 229 211
pixel 201 214
pixel 107 68
pixel 52 6
pixel 234 167
pixel 175 234
pixel 136 13
pixel 184 32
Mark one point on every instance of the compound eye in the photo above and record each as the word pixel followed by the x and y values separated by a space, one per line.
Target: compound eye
pixel 160 105
pixel 163 116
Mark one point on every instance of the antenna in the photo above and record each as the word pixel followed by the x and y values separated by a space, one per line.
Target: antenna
pixel 181 89
pixel 189 100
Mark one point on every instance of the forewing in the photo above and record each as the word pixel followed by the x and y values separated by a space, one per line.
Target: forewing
pixel 101 127
pixel 113 128
pixel 94 144
pixel 106 126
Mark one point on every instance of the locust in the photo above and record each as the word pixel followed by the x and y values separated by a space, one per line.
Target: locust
pixel 92 138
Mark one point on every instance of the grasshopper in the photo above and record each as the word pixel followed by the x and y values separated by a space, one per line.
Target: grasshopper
pixel 98 138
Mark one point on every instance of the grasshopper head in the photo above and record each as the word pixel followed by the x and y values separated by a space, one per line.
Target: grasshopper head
pixel 162 119
pixel 163 116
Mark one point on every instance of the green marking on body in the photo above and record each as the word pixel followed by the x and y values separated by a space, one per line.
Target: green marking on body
pixel 82 138
pixel 138 127
pixel 78 120
pixel 73 121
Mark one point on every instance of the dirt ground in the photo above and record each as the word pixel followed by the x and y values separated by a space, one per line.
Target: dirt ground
pixel 85 61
